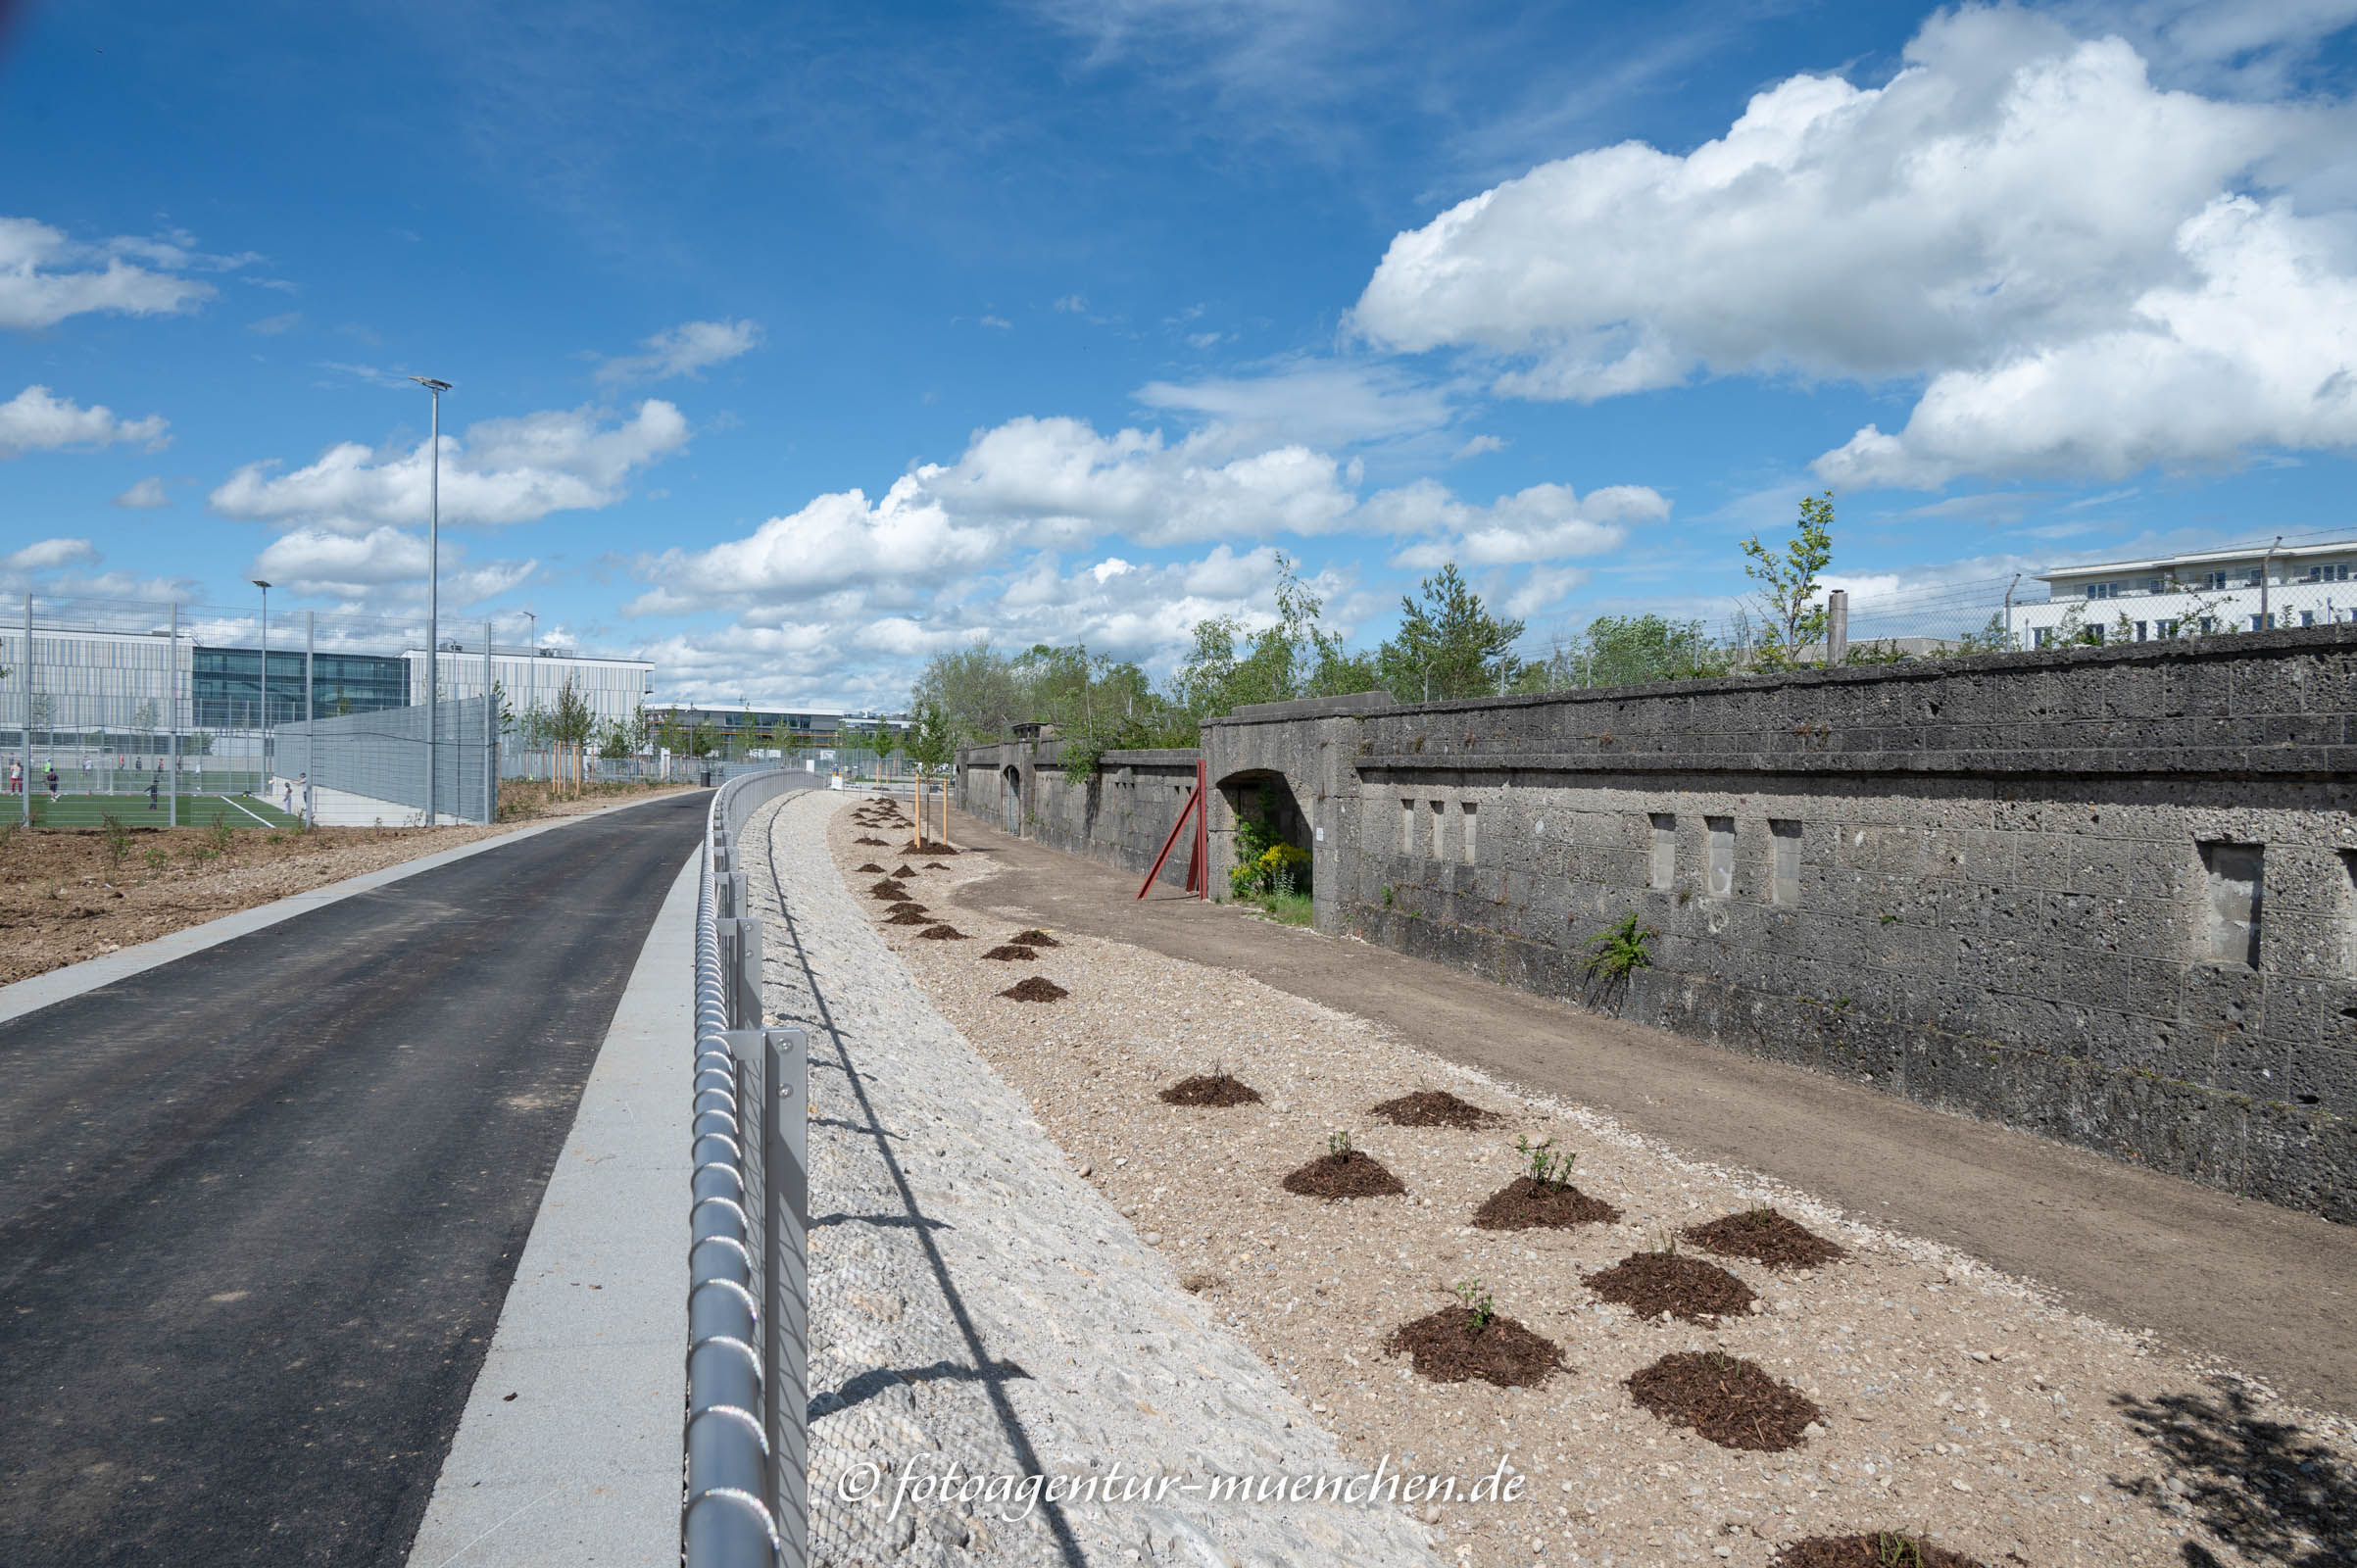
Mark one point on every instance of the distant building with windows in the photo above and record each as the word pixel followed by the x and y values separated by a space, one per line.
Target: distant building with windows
pixel 744 730
pixel 128 690
pixel 2197 594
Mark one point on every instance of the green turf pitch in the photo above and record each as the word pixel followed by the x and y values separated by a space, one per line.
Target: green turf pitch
pixel 196 811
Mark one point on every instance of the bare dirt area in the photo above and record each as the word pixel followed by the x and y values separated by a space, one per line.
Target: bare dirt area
pixel 1898 1391
pixel 70 896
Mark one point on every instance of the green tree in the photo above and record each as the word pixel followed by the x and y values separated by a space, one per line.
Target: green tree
pixel 1293 658
pixel 1633 650
pixel 976 687
pixel 932 741
pixel 1450 645
pixel 572 721
pixel 1789 586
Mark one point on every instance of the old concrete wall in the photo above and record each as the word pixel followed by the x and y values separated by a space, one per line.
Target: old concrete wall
pixel 2019 887
pixel 2007 887
pixel 1120 818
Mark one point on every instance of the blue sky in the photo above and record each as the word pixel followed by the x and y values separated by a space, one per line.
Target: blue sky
pixel 794 343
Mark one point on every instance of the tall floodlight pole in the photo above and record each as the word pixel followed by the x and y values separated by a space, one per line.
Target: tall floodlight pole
pixel 264 714
pixel 25 804
pixel 311 736
pixel 172 694
pixel 490 731
pixel 433 586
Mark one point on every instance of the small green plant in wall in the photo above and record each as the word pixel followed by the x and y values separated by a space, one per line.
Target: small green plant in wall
pixel 1620 950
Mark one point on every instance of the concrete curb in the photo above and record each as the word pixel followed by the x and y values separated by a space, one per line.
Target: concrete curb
pixel 74 979
pixel 568 1451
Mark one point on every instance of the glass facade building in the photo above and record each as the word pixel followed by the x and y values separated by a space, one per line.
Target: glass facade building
pixel 226 685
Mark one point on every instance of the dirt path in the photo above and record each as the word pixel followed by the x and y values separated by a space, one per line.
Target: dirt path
pixel 2270 1292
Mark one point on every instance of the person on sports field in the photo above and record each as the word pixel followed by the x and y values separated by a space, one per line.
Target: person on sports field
pixel 151 794
pixel 52 781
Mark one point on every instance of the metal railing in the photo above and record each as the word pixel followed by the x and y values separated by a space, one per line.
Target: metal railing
pixel 747 1440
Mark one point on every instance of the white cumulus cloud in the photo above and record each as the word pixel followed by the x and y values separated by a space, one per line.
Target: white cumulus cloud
pixel 37 419
pixel 500 471
pixel 1544 522
pixel 1048 483
pixel 46 555
pixel 683 350
pixel 2089 270
pixel 145 496
pixel 46 277
pixel 383 563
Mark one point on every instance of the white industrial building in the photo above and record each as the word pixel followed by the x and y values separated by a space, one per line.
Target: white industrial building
pixel 2269 588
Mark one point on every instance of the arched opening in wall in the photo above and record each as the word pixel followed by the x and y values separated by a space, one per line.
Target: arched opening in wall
pixel 1272 845
pixel 1010 800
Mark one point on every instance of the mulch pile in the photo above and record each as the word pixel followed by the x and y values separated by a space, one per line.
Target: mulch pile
pixel 889 891
pixel 909 918
pixel 1356 1174
pixel 928 847
pixel 1764 1236
pixel 879 843
pixel 904 869
pixel 1035 989
pixel 1881 1549
pixel 1008 952
pixel 941 933
pixel 1210 1088
pixel 1523 1205
pixel 869 870
pixel 1035 939
pixel 1441 1346
pixel 1435 1108
pixel 935 865
pixel 905 905
pixel 1731 1402
pixel 1654 1282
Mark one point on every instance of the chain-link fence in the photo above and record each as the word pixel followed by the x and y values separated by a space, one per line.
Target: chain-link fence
pixel 197 707
pixel 2224 593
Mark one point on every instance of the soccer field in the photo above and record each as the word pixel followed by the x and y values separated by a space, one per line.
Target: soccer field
pixel 196 811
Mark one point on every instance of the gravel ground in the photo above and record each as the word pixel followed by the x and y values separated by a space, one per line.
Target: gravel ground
pixel 974 1301
pixel 1959 1404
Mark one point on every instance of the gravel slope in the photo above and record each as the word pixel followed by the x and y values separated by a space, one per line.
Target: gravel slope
pixel 974 1299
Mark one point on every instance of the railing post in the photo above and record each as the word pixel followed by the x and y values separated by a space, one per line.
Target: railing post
pixel 785 1267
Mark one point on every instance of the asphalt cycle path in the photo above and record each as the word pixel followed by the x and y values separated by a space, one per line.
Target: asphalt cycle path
pixel 260 1206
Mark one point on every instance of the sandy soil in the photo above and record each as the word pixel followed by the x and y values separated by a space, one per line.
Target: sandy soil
pixel 64 898
pixel 1961 1404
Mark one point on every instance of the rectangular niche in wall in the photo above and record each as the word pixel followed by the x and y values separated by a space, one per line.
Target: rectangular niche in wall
pixel 1440 829
pixel 1721 832
pixel 1407 826
pixel 2348 908
pixel 2235 878
pixel 1663 866
pixel 1472 820
pixel 1785 886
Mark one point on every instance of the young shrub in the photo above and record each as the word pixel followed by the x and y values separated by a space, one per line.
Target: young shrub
pixel 1479 1308
pixel 1545 1168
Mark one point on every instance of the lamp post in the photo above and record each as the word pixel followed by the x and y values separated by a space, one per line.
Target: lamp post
pixel 266 685
pixel 433 587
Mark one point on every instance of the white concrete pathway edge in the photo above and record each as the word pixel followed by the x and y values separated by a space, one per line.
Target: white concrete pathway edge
pixel 60 984
pixel 569 1451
